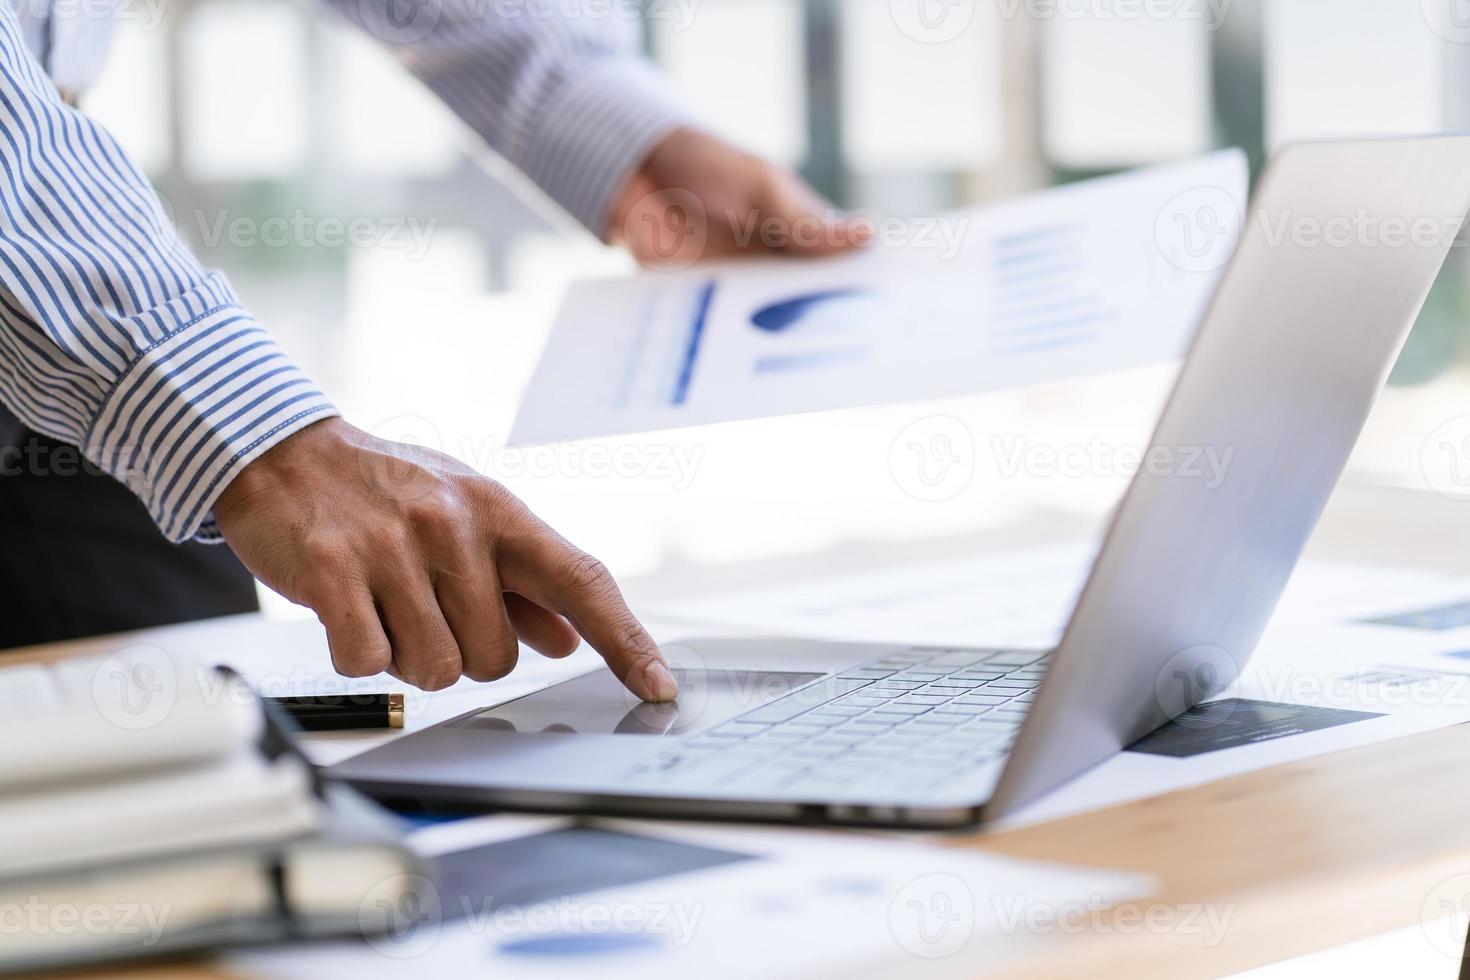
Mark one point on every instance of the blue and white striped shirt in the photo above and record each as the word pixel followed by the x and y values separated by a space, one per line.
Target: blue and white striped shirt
pixel 114 338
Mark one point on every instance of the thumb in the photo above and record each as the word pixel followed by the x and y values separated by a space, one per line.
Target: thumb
pixel 816 226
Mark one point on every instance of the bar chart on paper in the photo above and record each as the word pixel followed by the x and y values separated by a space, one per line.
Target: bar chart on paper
pixel 1063 283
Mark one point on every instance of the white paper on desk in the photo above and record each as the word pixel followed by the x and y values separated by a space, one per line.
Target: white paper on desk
pixel 814 904
pixel 1334 666
pixel 1015 597
pixel 1065 282
pixel 1012 597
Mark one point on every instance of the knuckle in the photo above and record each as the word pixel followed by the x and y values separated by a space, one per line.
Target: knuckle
pixel 433 673
pixel 355 653
pixel 496 657
pixel 634 637
pixel 586 573
pixel 360 665
pixel 439 515
pixel 491 670
pixel 395 540
pixel 437 678
pixel 322 554
pixel 494 494
pixel 496 507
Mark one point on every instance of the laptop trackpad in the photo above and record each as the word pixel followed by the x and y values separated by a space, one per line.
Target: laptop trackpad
pixel 596 704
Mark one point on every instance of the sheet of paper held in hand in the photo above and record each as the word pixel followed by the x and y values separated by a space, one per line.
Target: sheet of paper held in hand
pixel 1097 276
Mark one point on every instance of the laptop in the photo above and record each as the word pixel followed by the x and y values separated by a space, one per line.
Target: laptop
pixel 1336 256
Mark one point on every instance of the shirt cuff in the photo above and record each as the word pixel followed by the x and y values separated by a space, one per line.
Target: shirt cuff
pixel 595 130
pixel 193 409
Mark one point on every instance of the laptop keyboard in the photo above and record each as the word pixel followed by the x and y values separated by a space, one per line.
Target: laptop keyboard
pixel 913 719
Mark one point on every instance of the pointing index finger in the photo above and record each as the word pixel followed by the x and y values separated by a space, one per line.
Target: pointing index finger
pixel 551 572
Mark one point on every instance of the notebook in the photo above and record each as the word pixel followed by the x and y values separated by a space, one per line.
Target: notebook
pixel 151 805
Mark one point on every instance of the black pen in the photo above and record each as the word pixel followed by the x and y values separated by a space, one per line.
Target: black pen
pixel 341 712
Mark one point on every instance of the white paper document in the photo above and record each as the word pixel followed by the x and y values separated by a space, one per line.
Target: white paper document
pixel 1097 276
pixel 712 902
pixel 1010 597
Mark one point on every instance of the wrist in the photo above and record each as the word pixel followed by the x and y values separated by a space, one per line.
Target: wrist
pixel 279 464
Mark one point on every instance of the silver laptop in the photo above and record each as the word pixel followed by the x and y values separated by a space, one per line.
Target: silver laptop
pixel 1336 256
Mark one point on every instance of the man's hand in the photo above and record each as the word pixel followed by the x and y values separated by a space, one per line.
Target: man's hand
pixel 419 566
pixel 697 197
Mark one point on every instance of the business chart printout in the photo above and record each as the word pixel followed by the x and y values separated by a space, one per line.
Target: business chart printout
pixel 1091 277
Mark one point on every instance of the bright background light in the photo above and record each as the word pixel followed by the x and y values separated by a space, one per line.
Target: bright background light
pixel 258 108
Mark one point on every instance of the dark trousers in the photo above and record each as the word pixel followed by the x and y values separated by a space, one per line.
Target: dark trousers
pixel 79 555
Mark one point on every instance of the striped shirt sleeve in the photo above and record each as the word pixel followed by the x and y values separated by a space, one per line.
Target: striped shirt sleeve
pixel 112 337
pixel 557 87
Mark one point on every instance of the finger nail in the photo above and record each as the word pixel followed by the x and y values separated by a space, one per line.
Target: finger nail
pixel 661 684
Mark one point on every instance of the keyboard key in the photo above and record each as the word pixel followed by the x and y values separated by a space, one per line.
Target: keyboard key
pixel 837 709
pixel 872 721
pixel 1013 658
pixel 992 722
pixel 788 707
pixel 809 724
pixel 894 684
pixel 1009 711
pixel 929 699
pixel 895 659
pixel 935 719
pixel 861 703
pixel 977 675
pixel 894 708
pixel 982 698
pixel 839 738
pixel 955 708
pixel 1014 683
pixel 906 737
pixel 747 727
pixel 782 735
pixel 955 660
pixel 807 750
pixel 866 673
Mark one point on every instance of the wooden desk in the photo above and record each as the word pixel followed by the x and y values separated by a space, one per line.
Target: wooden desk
pixel 1300 857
